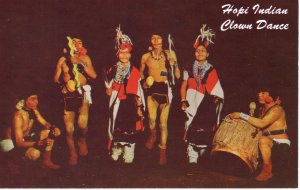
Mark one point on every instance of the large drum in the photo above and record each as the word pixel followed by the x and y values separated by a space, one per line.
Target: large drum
pixel 235 137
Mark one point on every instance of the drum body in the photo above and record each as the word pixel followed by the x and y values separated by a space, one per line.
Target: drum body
pixel 235 137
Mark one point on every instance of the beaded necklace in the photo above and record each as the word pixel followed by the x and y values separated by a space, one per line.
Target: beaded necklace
pixel 199 71
pixel 122 72
pixel 157 58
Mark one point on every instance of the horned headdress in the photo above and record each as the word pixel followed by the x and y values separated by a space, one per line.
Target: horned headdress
pixel 122 41
pixel 205 37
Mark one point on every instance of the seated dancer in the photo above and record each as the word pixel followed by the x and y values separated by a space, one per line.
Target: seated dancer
pixel 28 140
pixel 201 85
pixel 162 70
pixel 272 124
pixel 126 105
pixel 76 69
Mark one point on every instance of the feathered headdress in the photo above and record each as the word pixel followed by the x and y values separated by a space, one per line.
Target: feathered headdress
pixel 122 41
pixel 205 37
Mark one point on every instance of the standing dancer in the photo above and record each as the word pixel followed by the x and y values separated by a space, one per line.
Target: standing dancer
pixel 162 67
pixel 201 86
pixel 76 69
pixel 126 104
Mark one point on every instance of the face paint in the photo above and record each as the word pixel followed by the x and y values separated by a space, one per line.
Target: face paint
pixel 268 99
pixel 264 98
pixel 79 46
pixel 76 46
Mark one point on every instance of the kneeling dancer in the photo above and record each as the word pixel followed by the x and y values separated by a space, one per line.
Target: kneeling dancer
pixel 30 141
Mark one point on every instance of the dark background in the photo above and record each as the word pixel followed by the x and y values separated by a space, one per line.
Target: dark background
pixel 33 34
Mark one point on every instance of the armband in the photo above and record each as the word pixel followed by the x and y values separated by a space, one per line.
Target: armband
pixel 185 75
pixel 244 116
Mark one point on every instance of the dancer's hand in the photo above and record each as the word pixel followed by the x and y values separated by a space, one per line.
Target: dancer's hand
pixel 57 131
pixel 184 105
pixel 108 91
pixel 172 61
pixel 234 115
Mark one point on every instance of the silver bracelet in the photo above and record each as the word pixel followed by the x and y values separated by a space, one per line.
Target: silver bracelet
pixel 244 116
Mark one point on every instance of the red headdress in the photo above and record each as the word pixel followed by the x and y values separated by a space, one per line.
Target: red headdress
pixel 205 37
